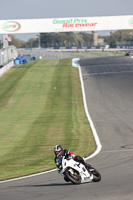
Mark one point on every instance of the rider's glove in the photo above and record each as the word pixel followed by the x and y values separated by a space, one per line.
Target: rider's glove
pixel 69 157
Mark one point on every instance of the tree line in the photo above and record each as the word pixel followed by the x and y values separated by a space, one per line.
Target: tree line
pixel 71 39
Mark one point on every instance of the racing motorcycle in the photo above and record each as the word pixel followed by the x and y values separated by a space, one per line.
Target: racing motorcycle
pixel 76 172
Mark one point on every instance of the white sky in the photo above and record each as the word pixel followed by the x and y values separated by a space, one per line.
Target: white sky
pixel 29 9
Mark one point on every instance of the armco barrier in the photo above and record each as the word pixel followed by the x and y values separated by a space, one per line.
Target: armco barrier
pixel 5 68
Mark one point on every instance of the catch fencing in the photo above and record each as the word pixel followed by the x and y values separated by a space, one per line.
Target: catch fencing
pixel 50 54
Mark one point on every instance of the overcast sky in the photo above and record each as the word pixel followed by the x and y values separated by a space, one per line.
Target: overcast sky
pixel 32 9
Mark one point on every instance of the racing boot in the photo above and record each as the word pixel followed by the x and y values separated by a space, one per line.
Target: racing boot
pixel 88 167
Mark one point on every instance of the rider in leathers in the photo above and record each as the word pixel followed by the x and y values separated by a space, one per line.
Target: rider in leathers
pixel 58 150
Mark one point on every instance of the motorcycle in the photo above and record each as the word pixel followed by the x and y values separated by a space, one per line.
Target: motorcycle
pixel 76 172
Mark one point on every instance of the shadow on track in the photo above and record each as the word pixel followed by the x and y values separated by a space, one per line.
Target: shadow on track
pixel 46 185
pixel 50 185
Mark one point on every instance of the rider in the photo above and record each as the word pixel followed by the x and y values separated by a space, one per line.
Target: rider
pixel 58 150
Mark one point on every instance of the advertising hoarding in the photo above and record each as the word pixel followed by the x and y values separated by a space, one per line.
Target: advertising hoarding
pixel 66 24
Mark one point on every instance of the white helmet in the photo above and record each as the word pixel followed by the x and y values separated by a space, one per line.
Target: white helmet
pixel 58 150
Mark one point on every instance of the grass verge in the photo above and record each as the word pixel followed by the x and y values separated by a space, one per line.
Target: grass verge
pixel 40 106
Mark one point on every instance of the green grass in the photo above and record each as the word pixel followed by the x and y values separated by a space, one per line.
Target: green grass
pixel 40 106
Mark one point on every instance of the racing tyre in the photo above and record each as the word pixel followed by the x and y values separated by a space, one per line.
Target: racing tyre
pixel 66 179
pixel 96 175
pixel 73 176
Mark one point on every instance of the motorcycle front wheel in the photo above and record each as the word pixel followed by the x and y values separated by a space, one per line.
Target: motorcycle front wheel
pixel 73 176
pixel 96 175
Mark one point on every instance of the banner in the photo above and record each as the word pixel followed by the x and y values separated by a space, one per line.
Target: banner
pixel 66 24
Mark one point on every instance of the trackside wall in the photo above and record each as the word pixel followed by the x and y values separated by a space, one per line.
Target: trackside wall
pixel 5 68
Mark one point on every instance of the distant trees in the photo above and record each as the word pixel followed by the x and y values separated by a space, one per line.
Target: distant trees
pixel 67 39
pixel 16 42
pixel 71 39
pixel 31 43
pixel 119 38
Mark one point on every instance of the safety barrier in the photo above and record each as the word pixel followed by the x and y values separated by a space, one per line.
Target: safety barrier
pixel 5 68
pixel 23 59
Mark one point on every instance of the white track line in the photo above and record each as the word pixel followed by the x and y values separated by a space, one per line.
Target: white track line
pixel 20 178
pixel 99 146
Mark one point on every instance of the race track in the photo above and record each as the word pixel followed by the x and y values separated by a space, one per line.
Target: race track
pixel 109 93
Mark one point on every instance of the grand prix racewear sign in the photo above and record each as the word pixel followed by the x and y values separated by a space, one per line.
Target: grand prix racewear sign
pixel 66 24
pixel 73 23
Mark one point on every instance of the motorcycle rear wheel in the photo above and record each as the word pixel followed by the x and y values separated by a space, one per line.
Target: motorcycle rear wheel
pixel 74 178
